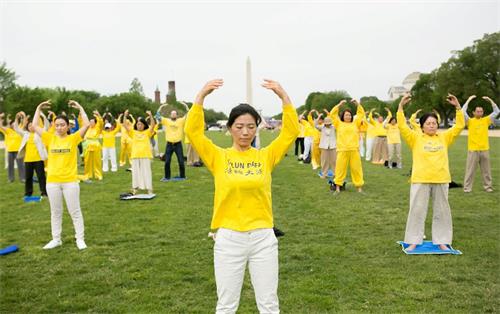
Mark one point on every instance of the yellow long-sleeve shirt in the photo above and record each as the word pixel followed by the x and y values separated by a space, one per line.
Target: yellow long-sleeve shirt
pixel 393 134
pixel 378 127
pixel 242 199
pixel 174 129
pixel 347 132
pixel 430 153
pixel 316 132
pixel 478 133
pixel 308 129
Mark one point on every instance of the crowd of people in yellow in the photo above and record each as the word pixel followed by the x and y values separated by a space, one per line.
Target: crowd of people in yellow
pixel 52 145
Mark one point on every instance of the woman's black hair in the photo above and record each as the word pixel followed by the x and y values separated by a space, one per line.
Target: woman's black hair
pixel 65 118
pixel 343 114
pixel 143 121
pixel 392 118
pixel 240 110
pixel 426 116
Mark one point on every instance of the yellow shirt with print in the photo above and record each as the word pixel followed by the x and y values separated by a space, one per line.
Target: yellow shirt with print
pixel 62 157
pixel 12 139
pixel 430 153
pixel 242 199
pixel 478 134
pixel 174 129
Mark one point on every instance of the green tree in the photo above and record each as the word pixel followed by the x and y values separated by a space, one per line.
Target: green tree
pixel 7 83
pixel 136 87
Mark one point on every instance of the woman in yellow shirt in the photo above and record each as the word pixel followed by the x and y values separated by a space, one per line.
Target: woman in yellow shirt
pixel 379 153
pixel 126 142
pixel 92 157
pixel 242 202
pixel 32 152
pixel 347 129
pixel 109 143
pixel 430 176
pixel 62 180
pixel 393 141
pixel 12 142
pixel 141 152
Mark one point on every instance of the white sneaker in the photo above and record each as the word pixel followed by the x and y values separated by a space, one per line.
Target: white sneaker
pixel 52 244
pixel 81 244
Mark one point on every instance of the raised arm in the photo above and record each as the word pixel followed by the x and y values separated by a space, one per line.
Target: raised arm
pixel 495 112
pixel 408 134
pixel 195 126
pixel 360 113
pixel 85 120
pixel 334 113
pixel 152 123
pixel 290 124
pixel 388 118
pixel 36 118
pixel 466 106
pixel 126 123
pixel 455 130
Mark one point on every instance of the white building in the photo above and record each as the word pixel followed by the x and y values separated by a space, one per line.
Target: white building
pixel 396 91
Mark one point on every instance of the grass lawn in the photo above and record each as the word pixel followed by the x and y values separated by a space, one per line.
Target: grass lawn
pixel 338 255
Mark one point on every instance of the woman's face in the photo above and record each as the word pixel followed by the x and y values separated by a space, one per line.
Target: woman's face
pixel 347 116
pixel 140 126
pixel 430 126
pixel 243 130
pixel 393 122
pixel 61 127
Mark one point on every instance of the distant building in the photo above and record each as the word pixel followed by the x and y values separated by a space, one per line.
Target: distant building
pixel 157 95
pixel 397 91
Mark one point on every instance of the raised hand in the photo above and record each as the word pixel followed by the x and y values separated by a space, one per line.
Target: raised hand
pixel 488 99
pixel 74 104
pixel 277 89
pixel 208 88
pixel 45 105
pixel 354 101
pixel 470 98
pixel 452 99
pixel 342 102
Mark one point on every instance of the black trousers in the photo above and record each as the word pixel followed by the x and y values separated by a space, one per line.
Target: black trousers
pixel 299 142
pixel 30 167
pixel 177 149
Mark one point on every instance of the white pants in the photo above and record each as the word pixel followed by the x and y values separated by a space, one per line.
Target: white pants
pixel 361 146
pixel 442 228
pixel 232 251
pixel 109 153
pixel 307 146
pixel 71 193
pixel 369 148
pixel 141 174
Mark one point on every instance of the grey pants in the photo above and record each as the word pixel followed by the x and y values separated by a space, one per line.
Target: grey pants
pixel 442 228
pixel 473 159
pixel 20 166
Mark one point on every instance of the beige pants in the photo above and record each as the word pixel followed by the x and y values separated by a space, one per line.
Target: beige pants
pixel 380 154
pixel 442 228
pixel 394 153
pixel 192 155
pixel 141 174
pixel 328 160
pixel 473 159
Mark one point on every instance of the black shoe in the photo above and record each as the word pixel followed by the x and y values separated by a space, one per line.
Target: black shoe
pixel 278 232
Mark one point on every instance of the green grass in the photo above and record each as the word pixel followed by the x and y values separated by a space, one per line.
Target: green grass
pixel 338 254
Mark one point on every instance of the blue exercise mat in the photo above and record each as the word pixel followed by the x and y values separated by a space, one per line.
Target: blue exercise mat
pixel 29 199
pixel 329 174
pixel 9 249
pixel 428 248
